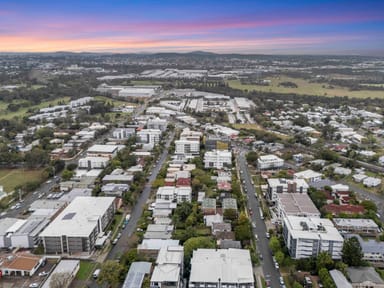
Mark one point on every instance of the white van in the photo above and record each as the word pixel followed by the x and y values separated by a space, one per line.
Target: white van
pixel 96 273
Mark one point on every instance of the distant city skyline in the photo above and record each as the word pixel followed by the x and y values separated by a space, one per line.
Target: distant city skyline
pixel 247 27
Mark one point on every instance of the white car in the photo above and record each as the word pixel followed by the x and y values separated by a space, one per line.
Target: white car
pixel 44 273
pixel 281 280
pixel 34 285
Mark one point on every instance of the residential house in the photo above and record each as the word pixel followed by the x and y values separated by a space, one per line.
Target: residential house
pixel 362 277
pixel 168 272
pixel 221 268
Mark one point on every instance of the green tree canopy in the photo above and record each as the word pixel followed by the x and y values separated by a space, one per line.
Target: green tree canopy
pixel 352 254
pixel 324 260
pixel 274 244
pixel 110 273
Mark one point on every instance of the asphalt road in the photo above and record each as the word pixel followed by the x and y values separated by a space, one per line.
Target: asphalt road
pixel 260 230
pixel 29 198
pixel 122 244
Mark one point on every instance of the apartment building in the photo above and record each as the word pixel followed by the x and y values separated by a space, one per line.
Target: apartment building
pixel 189 148
pixel 308 236
pixel 269 162
pixel 217 159
pixel 123 133
pixel 157 123
pixel 366 227
pixel 281 185
pixel 93 163
pixel 76 228
pixel 149 136
pixel 177 194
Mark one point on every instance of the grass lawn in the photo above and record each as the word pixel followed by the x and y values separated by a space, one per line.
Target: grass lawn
pixel 305 87
pixel 116 103
pixel 10 178
pixel 257 127
pixel 86 268
pixel 203 231
pixel 5 114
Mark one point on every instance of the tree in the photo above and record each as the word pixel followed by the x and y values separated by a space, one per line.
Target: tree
pixel 230 214
pixel 243 232
pixel 67 175
pixel 274 244
pixel 36 157
pixel 326 278
pixel 252 157
pixel 352 254
pixel 60 279
pixel 297 285
pixel 110 273
pixel 195 243
pixel 369 205
pixel 182 212
pixel 279 256
pixel 324 260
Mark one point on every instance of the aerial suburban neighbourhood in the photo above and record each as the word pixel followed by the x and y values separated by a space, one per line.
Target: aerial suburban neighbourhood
pixel 121 171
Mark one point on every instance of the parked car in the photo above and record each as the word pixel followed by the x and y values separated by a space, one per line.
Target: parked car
pixel 43 273
pixel 267 235
pixel 34 285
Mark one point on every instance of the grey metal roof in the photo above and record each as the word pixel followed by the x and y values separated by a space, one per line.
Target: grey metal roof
pixel 368 246
pixel 339 279
pixel 363 274
pixel 136 273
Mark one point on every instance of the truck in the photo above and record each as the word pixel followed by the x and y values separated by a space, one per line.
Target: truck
pixel 127 217
pixel 261 213
pixel 96 273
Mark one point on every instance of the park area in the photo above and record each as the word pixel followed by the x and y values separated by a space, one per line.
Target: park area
pixel 11 178
pixel 304 87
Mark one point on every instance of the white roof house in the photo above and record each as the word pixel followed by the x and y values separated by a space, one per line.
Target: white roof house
pixel 359 177
pixel 308 175
pixel 226 266
pixel 371 182
pixel 169 267
pixel 65 266
pixel 342 171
